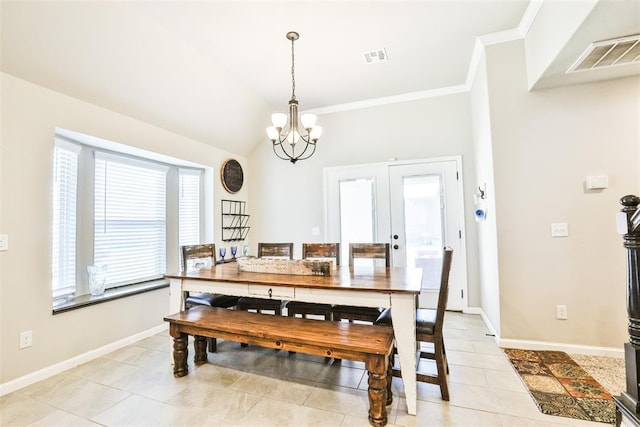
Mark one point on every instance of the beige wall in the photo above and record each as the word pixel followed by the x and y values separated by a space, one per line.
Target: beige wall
pixel 29 116
pixel 545 143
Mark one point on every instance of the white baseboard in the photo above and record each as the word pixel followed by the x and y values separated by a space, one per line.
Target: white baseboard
pixel 26 380
pixel 473 310
pixel 545 345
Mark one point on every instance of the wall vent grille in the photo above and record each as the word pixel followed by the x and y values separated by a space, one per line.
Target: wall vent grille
pixel 609 53
pixel 378 55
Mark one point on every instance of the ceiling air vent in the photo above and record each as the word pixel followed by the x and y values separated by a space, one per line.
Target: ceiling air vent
pixel 609 53
pixel 379 55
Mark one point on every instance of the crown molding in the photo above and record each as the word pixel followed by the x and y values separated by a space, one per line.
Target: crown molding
pixel 376 102
pixel 478 50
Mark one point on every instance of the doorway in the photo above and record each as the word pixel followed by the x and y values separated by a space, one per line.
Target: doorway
pixel 415 206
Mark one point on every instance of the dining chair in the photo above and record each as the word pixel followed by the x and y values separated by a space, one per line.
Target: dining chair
pixel 371 251
pixel 429 323
pixel 193 258
pixel 318 251
pixel 260 305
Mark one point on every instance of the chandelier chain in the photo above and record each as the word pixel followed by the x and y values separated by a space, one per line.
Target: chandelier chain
pixel 293 136
pixel 293 77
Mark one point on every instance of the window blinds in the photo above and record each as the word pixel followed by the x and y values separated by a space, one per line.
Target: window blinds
pixel 65 185
pixel 130 218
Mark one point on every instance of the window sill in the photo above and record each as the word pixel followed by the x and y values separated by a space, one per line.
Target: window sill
pixel 72 303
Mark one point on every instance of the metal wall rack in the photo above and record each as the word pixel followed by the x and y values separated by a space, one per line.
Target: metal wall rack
pixel 234 221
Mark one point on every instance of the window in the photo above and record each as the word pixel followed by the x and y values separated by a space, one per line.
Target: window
pixel 119 210
pixel 65 184
pixel 357 211
pixel 129 219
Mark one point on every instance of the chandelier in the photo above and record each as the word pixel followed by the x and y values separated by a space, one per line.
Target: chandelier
pixel 293 139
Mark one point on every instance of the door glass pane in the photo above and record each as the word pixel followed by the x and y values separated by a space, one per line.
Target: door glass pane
pixel 356 215
pixel 423 226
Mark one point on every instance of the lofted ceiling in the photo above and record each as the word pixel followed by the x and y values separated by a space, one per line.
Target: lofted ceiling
pixel 214 71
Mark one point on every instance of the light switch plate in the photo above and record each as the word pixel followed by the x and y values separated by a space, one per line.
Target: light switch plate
pixel 559 229
pixel 4 242
pixel 597 182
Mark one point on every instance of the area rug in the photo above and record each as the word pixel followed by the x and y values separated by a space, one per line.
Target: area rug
pixel 559 386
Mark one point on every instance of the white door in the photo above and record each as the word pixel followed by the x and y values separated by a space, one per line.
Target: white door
pixel 415 206
pixel 426 215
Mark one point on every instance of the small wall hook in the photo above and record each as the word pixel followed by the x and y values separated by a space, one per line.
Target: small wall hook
pixel 480 194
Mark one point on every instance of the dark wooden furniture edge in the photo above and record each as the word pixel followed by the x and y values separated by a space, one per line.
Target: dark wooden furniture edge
pixel 311 282
pixel 329 339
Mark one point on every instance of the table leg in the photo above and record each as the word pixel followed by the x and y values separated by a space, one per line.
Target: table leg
pixel 175 296
pixel 403 311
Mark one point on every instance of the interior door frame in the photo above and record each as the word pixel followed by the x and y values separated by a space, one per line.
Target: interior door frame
pixel 384 212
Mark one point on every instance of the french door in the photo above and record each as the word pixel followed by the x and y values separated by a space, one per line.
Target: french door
pixel 415 206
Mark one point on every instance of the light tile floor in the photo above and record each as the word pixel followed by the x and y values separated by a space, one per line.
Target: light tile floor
pixel 253 386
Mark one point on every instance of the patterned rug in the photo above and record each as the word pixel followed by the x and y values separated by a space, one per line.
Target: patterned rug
pixel 560 387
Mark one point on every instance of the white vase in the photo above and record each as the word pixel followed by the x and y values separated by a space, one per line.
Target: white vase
pixel 97 278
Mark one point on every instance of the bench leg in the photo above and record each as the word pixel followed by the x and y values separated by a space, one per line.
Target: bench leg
pixel 389 378
pixel 200 346
pixel 377 368
pixel 180 353
pixel 213 345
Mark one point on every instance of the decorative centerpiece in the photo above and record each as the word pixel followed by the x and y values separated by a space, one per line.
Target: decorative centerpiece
pixel 285 266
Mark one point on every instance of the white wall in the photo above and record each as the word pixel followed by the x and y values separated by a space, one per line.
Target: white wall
pixel 555 23
pixel 545 143
pixel 29 116
pixel 287 200
pixel 487 229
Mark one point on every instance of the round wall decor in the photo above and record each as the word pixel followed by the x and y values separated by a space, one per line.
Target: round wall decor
pixel 231 175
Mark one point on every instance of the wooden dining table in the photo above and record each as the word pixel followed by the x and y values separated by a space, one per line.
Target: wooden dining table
pixel 394 287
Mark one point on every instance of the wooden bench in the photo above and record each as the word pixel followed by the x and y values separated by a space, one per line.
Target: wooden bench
pixel 366 343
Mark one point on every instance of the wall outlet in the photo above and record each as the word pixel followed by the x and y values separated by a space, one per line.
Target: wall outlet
pixel 26 339
pixel 4 242
pixel 559 229
pixel 561 312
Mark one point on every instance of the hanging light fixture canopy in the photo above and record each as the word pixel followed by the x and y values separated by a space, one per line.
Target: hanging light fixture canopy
pixel 293 139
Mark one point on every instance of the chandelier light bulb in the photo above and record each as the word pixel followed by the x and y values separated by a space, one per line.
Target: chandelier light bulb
pixel 308 121
pixel 272 133
pixel 293 137
pixel 279 120
pixel 315 133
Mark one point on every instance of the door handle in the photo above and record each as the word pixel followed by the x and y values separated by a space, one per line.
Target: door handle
pixel 395 246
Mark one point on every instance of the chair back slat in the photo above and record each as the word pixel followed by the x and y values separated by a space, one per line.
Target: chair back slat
pixel 321 250
pixel 443 294
pixel 275 250
pixel 204 251
pixel 370 251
